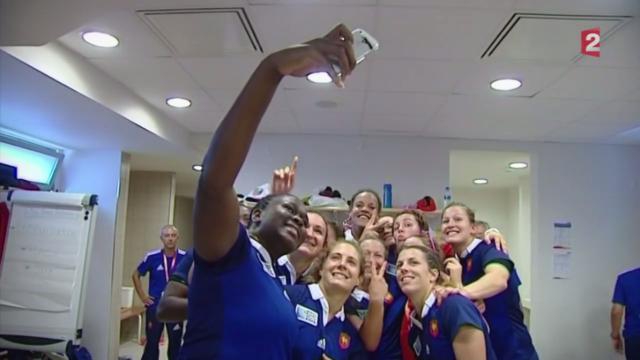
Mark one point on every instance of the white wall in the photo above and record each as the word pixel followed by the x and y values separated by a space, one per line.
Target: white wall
pixel 597 187
pixel 490 205
pixel 183 220
pixel 98 172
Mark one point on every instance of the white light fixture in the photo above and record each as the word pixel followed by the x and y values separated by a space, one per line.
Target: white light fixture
pixel 178 102
pixel 518 165
pixel 480 181
pixel 100 39
pixel 319 78
pixel 505 84
pixel 197 167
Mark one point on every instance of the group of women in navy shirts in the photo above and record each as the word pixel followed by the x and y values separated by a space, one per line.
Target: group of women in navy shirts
pixel 383 292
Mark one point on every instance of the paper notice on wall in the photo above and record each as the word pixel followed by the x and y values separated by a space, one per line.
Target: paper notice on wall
pixel 561 263
pixel 562 235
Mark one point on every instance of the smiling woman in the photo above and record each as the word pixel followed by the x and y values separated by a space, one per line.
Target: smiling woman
pixel 324 328
pixel 365 204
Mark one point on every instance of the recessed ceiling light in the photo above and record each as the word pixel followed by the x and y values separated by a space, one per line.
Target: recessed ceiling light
pixel 100 39
pixel 518 165
pixel 480 181
pixel 319 78
pixel 197 167
pixel 178 102
pixel 505 84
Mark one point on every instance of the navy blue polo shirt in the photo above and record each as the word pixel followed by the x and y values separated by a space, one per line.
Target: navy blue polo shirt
pixel 238 308
pixel 285 270
pixel 181 274
pixel 337 338
pixel 432 334
pixel 509 336
pixel 154 263
pixel 389 347
pixel 627 293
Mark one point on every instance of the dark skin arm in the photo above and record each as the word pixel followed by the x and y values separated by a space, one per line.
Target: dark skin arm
pixel 216 207
pixel 173 305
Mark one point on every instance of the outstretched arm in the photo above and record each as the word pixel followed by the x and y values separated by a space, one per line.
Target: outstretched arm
pixel 216 207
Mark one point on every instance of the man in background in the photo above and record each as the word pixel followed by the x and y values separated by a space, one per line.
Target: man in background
pixel 479 228
pixel 160 264
pixel 626 300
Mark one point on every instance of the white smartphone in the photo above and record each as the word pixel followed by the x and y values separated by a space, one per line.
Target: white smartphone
pixel 363 44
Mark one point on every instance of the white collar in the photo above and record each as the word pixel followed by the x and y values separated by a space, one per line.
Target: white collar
pixel 428 303
pixel 431 299
pixel 264 257
pixel 316 294
pixel 348 235
pixel 470 248
pixel 285 261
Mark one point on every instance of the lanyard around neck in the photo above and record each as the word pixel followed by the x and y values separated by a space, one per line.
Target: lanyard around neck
pixel 166 268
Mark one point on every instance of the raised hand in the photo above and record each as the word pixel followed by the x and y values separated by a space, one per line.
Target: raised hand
pixel 373 225
pixel 453 267
pixel 317 55
pixel 284 178
pixel 378 287
pixel 493 236
pixel 444 292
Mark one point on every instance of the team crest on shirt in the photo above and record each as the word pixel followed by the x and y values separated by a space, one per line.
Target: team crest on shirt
pixel 388 299
pixel 344 341
pixel 433 328
pixel 469 264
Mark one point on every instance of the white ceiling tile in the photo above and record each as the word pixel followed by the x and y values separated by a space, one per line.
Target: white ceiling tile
pixel 503 118
pixel 403 103
pixel 435 33
pixel 279 122
pixel 226 73
pixel 312 2
pixel 415 75
pixel 326 100
pixel 494 4
pixel 394 124
pixel 604 122
pixel 203 32
pixel 329 122
pixel 142 74
pixel 579 6
pixel 633 96
pixel 226 98
pixel 478 76
pixel 136 39
pixel 594 83
pixel 529 38
pixel 281 26
pixel 618 50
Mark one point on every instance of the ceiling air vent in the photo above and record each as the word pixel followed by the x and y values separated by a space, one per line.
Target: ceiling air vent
pixel 207 32
pixel 548 37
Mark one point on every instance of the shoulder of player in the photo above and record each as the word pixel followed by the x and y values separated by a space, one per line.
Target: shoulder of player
pixel 152 253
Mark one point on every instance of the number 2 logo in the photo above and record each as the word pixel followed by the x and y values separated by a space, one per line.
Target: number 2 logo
pixel 590 42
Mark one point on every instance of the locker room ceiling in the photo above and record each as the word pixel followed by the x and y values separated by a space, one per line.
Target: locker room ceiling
pixel 429 78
